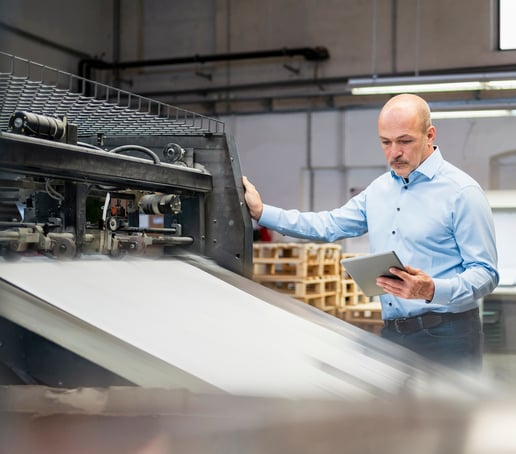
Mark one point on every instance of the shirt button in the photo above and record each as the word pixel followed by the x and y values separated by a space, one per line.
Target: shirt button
pixel 398 209
pixel 405 187
pixel 394 232
pixel 390 304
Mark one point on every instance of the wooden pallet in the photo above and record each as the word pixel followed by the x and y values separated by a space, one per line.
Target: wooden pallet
pixel 300 251
pixel 322 293
pixel 351 294
pixel 309 272
pixel 327 303
pixel 296 260
pixel 371 312
pixel 367 316
pixel 301 288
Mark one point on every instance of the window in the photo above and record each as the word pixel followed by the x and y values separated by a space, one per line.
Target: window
pixel 506 29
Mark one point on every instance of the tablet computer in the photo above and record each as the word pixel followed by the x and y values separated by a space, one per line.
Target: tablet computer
pixel 365 269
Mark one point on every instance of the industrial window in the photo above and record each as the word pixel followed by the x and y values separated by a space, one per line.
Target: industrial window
pixel 506 29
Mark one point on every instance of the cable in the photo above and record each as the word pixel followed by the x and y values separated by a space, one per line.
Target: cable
pixel 123 148
pixel 89 145
pixel 52 192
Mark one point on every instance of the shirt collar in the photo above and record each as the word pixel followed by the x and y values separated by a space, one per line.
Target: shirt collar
pixel 429 166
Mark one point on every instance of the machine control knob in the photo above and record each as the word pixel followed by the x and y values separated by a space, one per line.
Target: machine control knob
pixel 113 224
pixel 63 248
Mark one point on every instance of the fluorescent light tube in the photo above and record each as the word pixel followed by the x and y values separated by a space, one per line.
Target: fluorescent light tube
pixel 406 87
pixel 473 114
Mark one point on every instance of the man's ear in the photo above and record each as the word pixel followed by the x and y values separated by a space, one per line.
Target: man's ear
pixel 431 133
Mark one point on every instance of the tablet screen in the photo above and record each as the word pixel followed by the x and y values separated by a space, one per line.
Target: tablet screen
pixel 366 268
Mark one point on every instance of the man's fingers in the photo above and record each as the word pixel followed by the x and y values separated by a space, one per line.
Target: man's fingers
pixel 247 184
pixel 412 270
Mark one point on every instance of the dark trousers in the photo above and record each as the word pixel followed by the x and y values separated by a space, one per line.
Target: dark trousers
pixel 456 342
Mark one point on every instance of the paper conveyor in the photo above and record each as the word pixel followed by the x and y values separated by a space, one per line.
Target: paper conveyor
pixel 188 323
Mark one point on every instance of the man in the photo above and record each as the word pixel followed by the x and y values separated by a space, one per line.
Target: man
pixel 438 221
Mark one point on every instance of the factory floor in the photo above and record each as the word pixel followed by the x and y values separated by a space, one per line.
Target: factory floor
pixel 501 367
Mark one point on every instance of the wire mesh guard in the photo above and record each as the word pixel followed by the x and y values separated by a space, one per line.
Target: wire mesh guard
pixel 95 108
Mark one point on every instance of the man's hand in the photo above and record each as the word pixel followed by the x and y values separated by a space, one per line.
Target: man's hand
pixel 253 199
pixel 414 284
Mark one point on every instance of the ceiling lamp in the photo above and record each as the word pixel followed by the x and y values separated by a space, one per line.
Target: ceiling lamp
pixel 486 113
pixel 435 84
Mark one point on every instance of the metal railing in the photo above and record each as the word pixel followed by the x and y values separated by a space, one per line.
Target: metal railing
pixel 94 107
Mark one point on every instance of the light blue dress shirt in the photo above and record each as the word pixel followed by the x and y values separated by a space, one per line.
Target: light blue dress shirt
pixel 439 221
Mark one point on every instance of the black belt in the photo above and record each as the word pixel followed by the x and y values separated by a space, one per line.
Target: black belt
pixel 407 325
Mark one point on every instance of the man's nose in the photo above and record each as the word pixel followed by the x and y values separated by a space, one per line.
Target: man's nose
pixel 396 150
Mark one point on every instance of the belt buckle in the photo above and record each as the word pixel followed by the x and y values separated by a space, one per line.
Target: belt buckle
pixel 399 323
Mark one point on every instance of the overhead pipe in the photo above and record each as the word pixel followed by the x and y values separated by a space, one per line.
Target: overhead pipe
pixel 308 53
pixel 281 84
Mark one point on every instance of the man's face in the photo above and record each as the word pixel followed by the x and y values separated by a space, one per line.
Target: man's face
pixel 404 142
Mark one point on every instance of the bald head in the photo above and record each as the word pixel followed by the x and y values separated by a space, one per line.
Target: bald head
pixel 406 132
pixel 408 106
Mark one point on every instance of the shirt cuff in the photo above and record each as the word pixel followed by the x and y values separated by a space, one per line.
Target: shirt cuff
pixel 269 217
pixel 442 291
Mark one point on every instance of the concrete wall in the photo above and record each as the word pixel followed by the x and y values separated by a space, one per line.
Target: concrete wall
pixel 345 143
pixel 56 33
pixel 363 37
pixel 341 152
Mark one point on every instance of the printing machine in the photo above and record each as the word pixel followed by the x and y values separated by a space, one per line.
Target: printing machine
pixel 88 170
pixel 126 253
pixel 78 173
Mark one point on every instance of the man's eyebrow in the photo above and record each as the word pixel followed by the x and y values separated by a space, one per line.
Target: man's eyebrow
pixel 403 136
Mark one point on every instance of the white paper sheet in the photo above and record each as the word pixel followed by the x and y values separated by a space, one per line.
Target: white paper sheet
pixel 212 330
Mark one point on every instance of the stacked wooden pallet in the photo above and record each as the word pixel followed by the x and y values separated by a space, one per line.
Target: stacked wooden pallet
pixel 367 316
pixel 312 273
pixel 309 272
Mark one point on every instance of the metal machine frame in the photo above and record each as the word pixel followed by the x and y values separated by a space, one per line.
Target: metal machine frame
pixel 199 190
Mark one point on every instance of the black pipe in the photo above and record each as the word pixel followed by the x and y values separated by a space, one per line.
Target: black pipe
pixel 204 91
pixel 309 53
